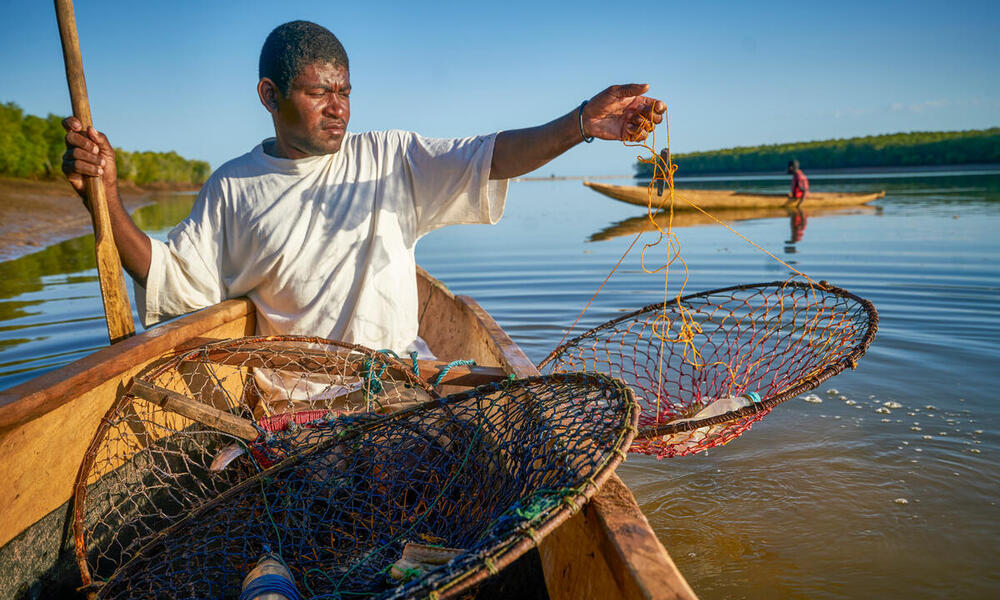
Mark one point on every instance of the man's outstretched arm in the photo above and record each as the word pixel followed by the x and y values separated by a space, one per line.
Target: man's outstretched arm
pixel 89 153
pixel 620 113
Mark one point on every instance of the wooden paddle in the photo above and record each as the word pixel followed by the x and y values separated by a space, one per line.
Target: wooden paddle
pixel 109 267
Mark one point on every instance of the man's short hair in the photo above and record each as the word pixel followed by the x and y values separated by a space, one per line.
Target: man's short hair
pixel 292 46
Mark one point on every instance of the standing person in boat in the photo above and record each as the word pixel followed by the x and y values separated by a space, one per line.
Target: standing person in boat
pixel 317 225
pixel 800 183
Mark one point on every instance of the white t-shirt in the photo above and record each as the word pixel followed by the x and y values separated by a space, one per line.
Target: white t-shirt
pixel 324 245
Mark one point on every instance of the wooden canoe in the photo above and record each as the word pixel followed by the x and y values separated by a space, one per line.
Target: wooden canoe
pixel 715 199
pixel 607 550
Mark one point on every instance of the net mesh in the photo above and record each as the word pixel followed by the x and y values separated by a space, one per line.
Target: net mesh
pixel 486 472
pixel 165 446
pixel 705 367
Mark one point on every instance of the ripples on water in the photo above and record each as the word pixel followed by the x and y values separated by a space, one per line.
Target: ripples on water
pixel 803 505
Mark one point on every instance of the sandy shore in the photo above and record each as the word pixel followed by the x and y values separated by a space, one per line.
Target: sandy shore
pixel 36 214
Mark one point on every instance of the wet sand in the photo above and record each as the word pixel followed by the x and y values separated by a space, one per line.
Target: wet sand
pixel 36 214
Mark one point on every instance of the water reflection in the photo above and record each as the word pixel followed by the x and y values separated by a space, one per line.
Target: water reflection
pixel 797 219
pixel 47 295
pixel 166 211
pixel 662 219
pixel 803 505
pixel 26 274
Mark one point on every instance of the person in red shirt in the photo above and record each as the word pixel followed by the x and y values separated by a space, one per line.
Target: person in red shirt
pixel 800 184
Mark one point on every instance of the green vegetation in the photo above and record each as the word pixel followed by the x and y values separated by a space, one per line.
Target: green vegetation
pixel 32 147
pixel 919 148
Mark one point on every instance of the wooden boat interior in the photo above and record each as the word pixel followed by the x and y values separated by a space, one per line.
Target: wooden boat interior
pixel 606 550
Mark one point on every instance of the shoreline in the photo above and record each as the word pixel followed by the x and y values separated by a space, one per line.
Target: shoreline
pixel 964 169
pixel 35 214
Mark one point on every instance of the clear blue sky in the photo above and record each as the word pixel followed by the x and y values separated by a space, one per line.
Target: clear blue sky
pixel 180 75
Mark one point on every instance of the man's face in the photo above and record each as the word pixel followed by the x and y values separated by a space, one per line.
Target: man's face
pixel 312 119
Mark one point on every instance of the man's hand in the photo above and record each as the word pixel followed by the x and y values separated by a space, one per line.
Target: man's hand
pixel 88 152
pixel 622 113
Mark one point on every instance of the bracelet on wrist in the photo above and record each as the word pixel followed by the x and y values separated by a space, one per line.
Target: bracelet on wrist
pixel 583 133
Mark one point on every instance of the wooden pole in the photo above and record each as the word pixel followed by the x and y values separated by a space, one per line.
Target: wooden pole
pixel 194 410
pixel 109 268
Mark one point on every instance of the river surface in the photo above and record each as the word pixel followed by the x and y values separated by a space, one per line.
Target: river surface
pixel 808 503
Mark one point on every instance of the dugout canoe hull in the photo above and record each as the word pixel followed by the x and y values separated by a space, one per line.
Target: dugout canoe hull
pixel 607 550
pixel 716 199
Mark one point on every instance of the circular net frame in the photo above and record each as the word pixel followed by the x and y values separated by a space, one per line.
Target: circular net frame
pixel 487 472
pixel 777 340
pixel 149 465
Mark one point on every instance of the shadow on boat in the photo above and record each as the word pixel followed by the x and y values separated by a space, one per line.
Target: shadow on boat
pixel 662 219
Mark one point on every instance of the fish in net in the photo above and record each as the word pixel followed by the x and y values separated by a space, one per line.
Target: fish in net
pixel 706 366
pixel 479 476
pixel 181 432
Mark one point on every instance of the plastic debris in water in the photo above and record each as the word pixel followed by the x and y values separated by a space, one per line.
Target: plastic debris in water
pixel 832 391
pixel 849 402
pixel 901 501
pixel 813 399
pixel 712 407
pixel 226 456
pixel 882 410
pixel 891 404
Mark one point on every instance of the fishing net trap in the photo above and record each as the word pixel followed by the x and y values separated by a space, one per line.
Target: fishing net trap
pixel 196 478
pixel 706 366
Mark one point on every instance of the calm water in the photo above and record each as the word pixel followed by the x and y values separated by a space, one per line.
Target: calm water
pixel 803 505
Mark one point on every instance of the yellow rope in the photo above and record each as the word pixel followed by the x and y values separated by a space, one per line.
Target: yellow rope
pixel 688 328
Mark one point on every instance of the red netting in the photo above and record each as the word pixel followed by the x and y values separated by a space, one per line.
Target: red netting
pixel 706 366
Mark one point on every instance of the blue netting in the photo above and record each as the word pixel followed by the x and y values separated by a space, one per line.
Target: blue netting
pixel 486 472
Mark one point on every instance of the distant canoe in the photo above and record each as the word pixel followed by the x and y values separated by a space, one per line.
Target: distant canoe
pixel 709 199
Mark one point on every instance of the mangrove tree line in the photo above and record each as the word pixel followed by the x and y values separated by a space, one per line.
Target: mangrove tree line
pixel 918 148
pixel 32 147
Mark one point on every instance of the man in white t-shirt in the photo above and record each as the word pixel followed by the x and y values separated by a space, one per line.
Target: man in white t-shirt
pixel 317 226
